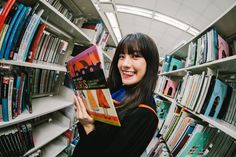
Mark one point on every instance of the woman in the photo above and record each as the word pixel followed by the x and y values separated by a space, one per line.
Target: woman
pixel 132 80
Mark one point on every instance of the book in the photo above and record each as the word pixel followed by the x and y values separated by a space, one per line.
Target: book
pixel 11 31
pixel 87 77
pixel 15 31
pixel 28 35
pixel 6 9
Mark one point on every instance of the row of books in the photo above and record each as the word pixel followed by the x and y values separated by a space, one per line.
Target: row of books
pixel 95 29
pixel 43 81
pixel 18 31
pixel 29 41
pixel 48 47
pixel 230 116
pixel 16 97
pixel 16 140
pixel 202 93
pixel 66 11
pixel 17 88
pixel 187 136
pixel 209 47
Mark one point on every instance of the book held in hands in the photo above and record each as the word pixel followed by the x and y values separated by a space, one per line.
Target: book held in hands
pixel 86 72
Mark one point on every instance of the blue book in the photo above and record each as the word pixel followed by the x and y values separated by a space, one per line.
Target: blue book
pixel 9 30
pixel 216 100
pixel 14 31
pixel 19 31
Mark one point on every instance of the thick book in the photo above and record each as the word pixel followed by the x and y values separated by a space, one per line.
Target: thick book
pixel 86 71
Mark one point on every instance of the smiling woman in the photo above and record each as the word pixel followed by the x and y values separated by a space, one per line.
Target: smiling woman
pixel 132 80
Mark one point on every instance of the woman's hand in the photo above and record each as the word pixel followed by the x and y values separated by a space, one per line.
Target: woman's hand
pixel 82 115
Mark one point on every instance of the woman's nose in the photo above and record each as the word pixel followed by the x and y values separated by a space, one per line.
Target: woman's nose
pixel 127 61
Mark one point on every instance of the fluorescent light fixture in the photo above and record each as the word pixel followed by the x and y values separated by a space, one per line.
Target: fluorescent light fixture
pixel 117 33
pixel 112 19
pixel 171 21
pixel 114 24
pixel 193 31
pixel 134 10
pixel 104 1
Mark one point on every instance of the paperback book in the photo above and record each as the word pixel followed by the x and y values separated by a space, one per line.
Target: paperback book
pixel 86 72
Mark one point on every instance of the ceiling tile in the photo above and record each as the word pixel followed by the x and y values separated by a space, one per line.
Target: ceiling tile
pixel 186 15
pixel 167 7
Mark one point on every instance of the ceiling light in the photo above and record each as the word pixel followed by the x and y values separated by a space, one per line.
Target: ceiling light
pixel 112 19
pixel 104 1
pixel 193 31
pixel 171 21
pixel 117 33
pixel 134 10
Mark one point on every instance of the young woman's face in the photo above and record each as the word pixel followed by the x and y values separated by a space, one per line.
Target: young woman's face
pixel 132 67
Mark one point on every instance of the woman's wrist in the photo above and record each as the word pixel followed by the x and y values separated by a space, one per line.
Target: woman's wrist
pixel 88 128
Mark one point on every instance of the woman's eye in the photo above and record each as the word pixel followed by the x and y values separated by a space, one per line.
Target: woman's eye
pixel 121 56
pixel 136 56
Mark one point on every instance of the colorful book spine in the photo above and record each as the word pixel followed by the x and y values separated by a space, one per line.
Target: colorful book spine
pixel 8 33
pixel 28 36
pixel 35 43
pixel 5 85
pixel 5 12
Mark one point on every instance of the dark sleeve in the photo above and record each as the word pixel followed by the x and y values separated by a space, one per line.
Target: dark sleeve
pixel 137 130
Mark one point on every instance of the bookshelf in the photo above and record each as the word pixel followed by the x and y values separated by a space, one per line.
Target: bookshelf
pixel 53 129
pixel 48 136
pixel 218 123
pixel 224 70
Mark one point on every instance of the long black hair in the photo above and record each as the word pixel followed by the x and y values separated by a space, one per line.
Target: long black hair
pixel 142 92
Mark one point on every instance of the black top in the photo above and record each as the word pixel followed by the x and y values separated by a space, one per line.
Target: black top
pixel 138 126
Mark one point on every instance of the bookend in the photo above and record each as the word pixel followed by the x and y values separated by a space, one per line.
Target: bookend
pixel 175 64
pixel 170 88
pixel 216 100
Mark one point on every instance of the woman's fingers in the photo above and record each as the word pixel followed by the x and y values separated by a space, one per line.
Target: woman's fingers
pixel 81 111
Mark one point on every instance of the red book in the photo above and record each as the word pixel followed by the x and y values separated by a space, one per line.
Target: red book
pixel 6 10
pixel 35 43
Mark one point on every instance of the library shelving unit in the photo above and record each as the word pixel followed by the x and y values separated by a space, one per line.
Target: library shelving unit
pixel 225 25
pixel 47 136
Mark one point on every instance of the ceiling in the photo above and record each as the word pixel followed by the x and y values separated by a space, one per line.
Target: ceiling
pixel 196 13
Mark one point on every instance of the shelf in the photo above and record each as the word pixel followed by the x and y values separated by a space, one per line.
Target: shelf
pixel 44 65
pixel 166 97
pixel 54 148
pixel 107 56
pixel 224 25
pixel 179 72
pixel 41 106
pixel 45 133
pixel 221 125
pixel 58 19
pixel 224 66
pixel 217 123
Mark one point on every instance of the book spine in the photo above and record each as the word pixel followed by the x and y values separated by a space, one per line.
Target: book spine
pixel 4 98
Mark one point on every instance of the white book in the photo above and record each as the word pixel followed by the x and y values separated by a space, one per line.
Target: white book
pixel 28 36
pixel 10 91
pixel 187 90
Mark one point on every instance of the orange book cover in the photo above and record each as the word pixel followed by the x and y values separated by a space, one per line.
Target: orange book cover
pixel 87 76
